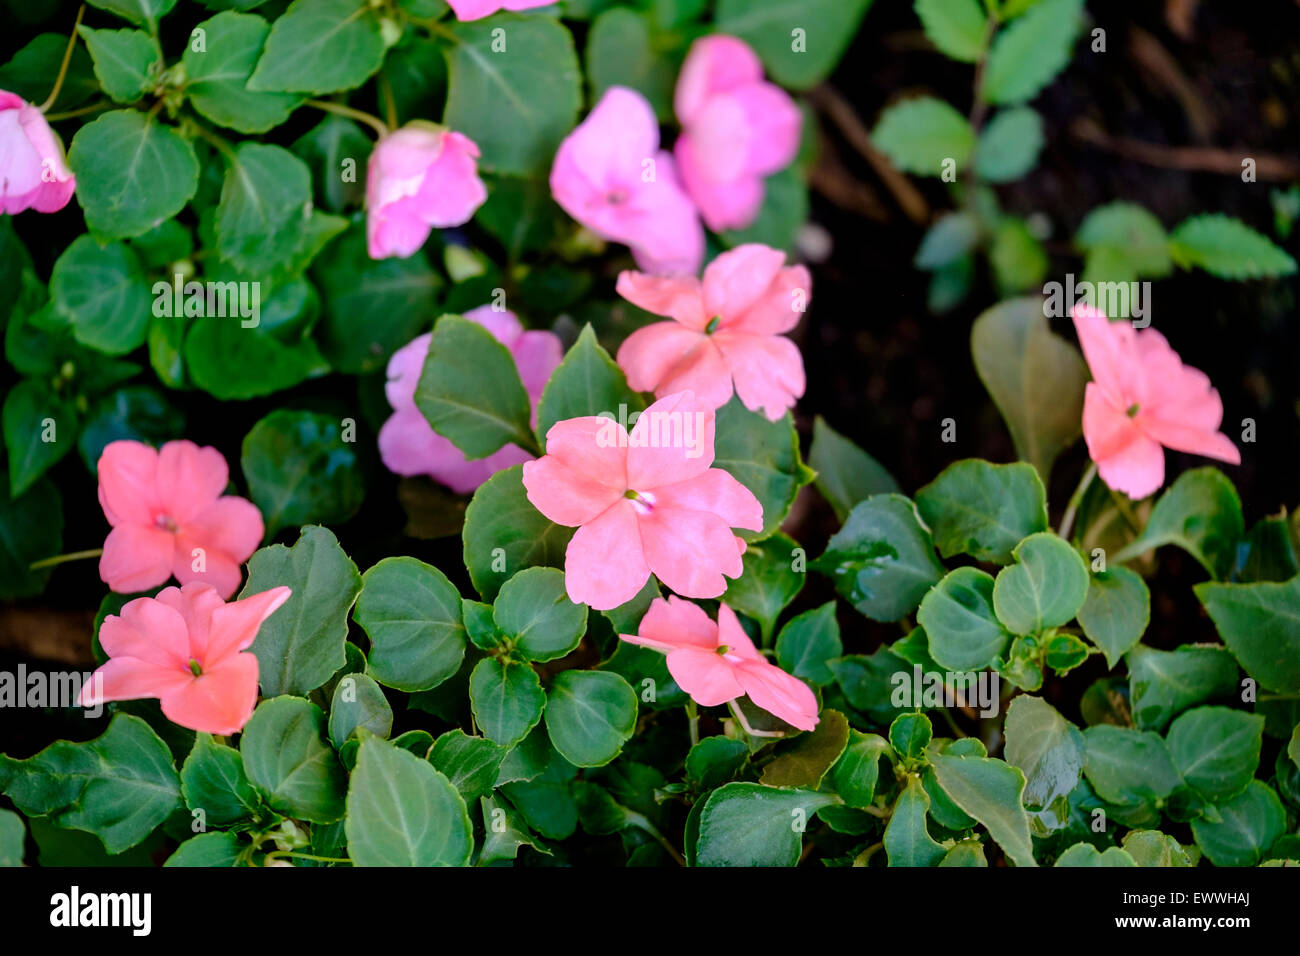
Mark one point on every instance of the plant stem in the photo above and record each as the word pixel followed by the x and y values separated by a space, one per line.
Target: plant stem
pixel 92 108
pixel 276 854
pixel 65 558
pixel 221 146
pixel 437 28
pixel 693 719
pixel 1067 519
pixel 63 67
pixel 374 122
pixel 390 105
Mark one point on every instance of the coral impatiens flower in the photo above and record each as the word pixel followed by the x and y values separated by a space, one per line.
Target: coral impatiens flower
pixel 645 502
pixel 33 171
pixel 410 446
pixel 478 9
pixel 736 129
pixel 717 663
pixel 420 177
pixel 185 647
pixel 727 328
pixel 169 517
pixel 610 175
pixel 1143 399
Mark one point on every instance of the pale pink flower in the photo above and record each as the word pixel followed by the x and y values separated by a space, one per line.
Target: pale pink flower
pixel 736 129
pixel 410 446
pixel 170 517
pixel 33 171
pixel 610 175
pixel 645 502
pixel 717 663
pixel 725 329
pixel 185 647
pixel 420 177
pixel 478 9
pixel 1143 399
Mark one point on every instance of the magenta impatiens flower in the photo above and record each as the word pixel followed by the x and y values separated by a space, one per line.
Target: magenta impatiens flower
pixel 610 175
pixel 410 446
pixel 186 648
pixel 478 9
pixel 33 171
pixel 1142 399
pixel 420 177
pixel 717 663
pixel 736 129
pixel 170 517
pixel 726 329
pixel 643 503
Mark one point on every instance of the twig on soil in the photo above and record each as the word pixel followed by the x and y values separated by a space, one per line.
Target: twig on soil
pixel 1201 159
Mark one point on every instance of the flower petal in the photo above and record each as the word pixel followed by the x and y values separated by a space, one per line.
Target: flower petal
pixel 736 280
pixel 603 565
pixel 704 675
pixel 235 625
pixel 671 441
pixel 690 551
pixel 130 678
pixel 1127 459
pixel 136 558
pixel 767 370
pixel 219 701
pixel 653 354
pixel 718 492
pixel 779 308
pixel 582 473
pixel 149 629
pixel 190 478
pixel 779 693
pixel 673 623
pixel 678 297
pixel 128 492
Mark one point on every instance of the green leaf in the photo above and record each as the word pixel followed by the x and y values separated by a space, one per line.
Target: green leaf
pixel 1227 248
pixel 1116 612
pixel 412 615
pixel 825 29
pixel 882 560
pixel 403 812
pixel 589 716
pixel 470 390
pixel 119 786
pixel 216 77
pixel 868 682
pixel 40 427
pixel 504 832
pixel 507 699
pixel 622 52
pixel 857 772
pixel 301 645
pixel 1258 623
pixel 764 457
pixel 1036 379
pixel 963 631
pixel 1028 54
pixel 132 173
pixel 1153 848
pixel 769 581
pixel 534 610
pixel 805 760
pixel 956 27
pixel 715 760
pixel 137 413
pixel 1267 553
pixel 1008 147
pixel 504 533
pixel 1162 684
pixel 358 702
pixel 470 763
pixel 1085 854
pixel 1018 259
pixel 300 470
pixel 975 507
pixel 12 837
pixel 1201 514
pixel 31 72
pixel 991 792
pixel 910 734
pixel 1216 749
pixel 207 850
pixel 907 841
pixel 144 13
pixel 586 383
pixel 320 46
pixel 1128 766
pixel 516 103
pixel 746 824
pixel 288 759
pixel 1044 588
pixel 31 528
pixel 1130 233
pixel 1247 826
pixel 124 61
pixel 104 294
pixel 965 853
pixel 922 135
pixel 1049 749
pixel 231 362
pixel 953 236
pixel 213 780
pixel 324 148
pixel 808 641
pixel 265 194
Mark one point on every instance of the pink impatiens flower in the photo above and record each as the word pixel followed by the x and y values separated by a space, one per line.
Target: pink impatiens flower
pixel 410 446
pixel 610 175
pixel 726 329
pixel 717 663
pixel 645 502
pixel 33 171
pixel 736 129
pixel 1143 399
pixel 478 9
pixel 420 177
pixel 185 647
pixel 169 517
